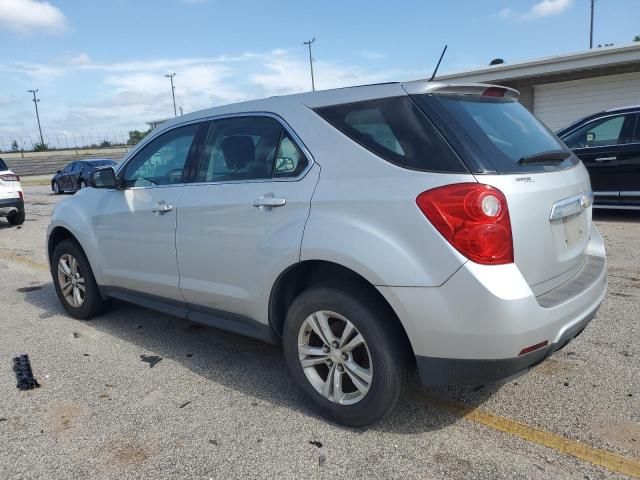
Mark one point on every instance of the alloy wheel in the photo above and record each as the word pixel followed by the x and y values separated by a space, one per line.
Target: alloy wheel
pixel 71 280
pixel 335 357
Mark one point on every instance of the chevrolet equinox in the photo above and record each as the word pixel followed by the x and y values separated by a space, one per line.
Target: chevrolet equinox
pixel 372 231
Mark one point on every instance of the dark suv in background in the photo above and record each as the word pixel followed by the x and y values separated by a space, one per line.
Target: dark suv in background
pixel 75 175
pixel 608 143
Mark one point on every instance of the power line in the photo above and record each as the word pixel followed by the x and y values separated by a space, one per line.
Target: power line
pixel 308 43
pixel 35 102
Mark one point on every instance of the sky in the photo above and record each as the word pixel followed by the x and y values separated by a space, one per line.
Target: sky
pixel 99 65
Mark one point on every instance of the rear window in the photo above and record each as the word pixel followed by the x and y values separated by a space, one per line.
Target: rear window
pixel 102 163
pixel 502 131
pixel 396 130
pixel 3 166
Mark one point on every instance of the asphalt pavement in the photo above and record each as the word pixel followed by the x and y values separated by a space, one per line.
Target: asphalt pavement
pixel 139 394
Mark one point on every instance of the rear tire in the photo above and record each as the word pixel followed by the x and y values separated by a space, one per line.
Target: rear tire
pixel 16 218
pixel 388 366
pixel 71 273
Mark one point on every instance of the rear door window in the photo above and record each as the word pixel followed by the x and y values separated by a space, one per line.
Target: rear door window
pixel 500 131
pixel 3 166
pixel 242 148
pixel 396 130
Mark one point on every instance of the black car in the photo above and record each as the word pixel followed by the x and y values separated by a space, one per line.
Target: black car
pixel 76 174
pixel 608 143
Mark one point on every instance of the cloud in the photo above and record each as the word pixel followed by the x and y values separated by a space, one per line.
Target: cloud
pixel 80 59
pixel 30 16
pixel 38 72
pixel 134 92
pixel 544 8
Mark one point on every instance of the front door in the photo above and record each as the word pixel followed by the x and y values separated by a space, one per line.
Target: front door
pixel 598 145
pixel 241 223
pixel 136 225
pixel 630 168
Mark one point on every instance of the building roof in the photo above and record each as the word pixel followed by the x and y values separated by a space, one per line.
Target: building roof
pixel 588 59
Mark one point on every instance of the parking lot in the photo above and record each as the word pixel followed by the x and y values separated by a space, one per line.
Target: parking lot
pixel 139 394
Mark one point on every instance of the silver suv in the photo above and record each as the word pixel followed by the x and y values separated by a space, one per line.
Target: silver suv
pixel 370 230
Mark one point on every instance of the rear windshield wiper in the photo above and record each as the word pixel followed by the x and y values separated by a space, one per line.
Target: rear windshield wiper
pixel 553 156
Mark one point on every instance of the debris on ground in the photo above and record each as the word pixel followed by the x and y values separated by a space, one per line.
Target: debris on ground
pixel 152 360
pixel 24 374
pixel 315 443
pixel 185 404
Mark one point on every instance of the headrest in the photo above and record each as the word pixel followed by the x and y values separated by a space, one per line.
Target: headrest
pixel 238 151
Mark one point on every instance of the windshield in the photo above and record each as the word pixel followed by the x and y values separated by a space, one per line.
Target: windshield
pixel 502 131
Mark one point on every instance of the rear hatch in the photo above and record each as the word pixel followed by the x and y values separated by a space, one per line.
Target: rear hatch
pixel 7 184
pixel 547 188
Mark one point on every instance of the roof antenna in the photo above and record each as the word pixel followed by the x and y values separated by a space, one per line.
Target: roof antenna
pixel 438 65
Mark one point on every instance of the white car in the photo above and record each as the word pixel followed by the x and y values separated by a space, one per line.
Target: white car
pixel 370 230
pixel 11 196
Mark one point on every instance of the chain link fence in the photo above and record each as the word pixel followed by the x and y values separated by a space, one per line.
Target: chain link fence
pixel 65 141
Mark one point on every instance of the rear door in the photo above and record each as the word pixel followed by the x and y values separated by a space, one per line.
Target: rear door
pixel 598 143
pixel 240 225
pixel 629 157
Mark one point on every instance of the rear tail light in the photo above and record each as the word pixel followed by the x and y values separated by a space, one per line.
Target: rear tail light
pixel 21 194
pixel 10 177
pixel 474 218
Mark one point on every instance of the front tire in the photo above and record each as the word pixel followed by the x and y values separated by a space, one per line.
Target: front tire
pixel 343 348
pixel 56 188
pixel 82 185
pixel 74 281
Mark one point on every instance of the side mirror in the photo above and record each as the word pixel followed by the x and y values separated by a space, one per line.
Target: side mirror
pixel 285 165
pixel 59 172
pixel 103 178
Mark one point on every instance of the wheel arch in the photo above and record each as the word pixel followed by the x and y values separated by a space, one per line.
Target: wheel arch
pixel 303 275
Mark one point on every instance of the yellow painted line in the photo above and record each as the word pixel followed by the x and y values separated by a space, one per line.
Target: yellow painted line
pixel 23 260
pixel 595 456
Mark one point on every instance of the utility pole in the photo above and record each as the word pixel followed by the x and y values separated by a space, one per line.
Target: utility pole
pixel 591 30
pixel 35 102
pixel 173 93
pixel 313 85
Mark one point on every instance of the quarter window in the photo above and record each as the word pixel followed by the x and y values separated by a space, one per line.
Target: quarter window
pixel 162 161
pixel 395 130
pixel 242 148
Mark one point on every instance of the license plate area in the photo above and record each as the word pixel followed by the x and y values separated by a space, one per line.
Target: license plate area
pixel 573 229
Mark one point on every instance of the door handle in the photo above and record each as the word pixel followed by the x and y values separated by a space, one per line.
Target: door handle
pixel 269 202
pixel 162 208
pixel 606 159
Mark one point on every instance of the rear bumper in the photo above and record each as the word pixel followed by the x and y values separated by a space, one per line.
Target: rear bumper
pixel 9 206
pixel 471 329
pixel 453 371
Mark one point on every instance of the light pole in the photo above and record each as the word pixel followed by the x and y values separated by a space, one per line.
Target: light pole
pixel 308 44
pixel 173 93
pixel 591 30
pixel 35 102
